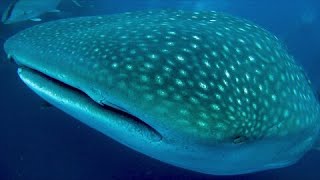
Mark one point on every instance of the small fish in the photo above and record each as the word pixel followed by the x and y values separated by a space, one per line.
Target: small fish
pixel 204 91
pixel 22 10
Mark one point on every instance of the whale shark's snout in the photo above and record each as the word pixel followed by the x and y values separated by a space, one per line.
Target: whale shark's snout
pixel 200 90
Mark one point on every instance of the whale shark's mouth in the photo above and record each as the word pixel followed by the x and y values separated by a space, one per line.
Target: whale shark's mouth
pixel 138 124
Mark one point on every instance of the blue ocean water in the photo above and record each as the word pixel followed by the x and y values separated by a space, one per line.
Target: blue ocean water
pixel 44 143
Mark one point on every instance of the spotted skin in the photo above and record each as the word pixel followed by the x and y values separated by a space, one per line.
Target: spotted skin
pixel 200 78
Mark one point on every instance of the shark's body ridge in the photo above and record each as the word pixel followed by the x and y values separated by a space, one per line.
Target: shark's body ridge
pixel 200 90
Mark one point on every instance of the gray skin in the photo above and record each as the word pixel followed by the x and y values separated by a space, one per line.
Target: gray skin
pixel 203 91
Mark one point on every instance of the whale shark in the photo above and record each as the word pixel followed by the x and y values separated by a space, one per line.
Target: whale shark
pixel 200 90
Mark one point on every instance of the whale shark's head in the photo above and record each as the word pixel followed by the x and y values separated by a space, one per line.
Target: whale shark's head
pixel 200 90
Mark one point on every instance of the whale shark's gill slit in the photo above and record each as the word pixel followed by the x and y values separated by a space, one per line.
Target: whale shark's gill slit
pixel 108 107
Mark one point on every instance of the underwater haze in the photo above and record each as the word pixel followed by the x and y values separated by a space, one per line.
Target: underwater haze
pixel 39 141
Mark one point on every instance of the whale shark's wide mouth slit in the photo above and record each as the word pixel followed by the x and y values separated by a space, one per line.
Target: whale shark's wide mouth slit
pixel 116 110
